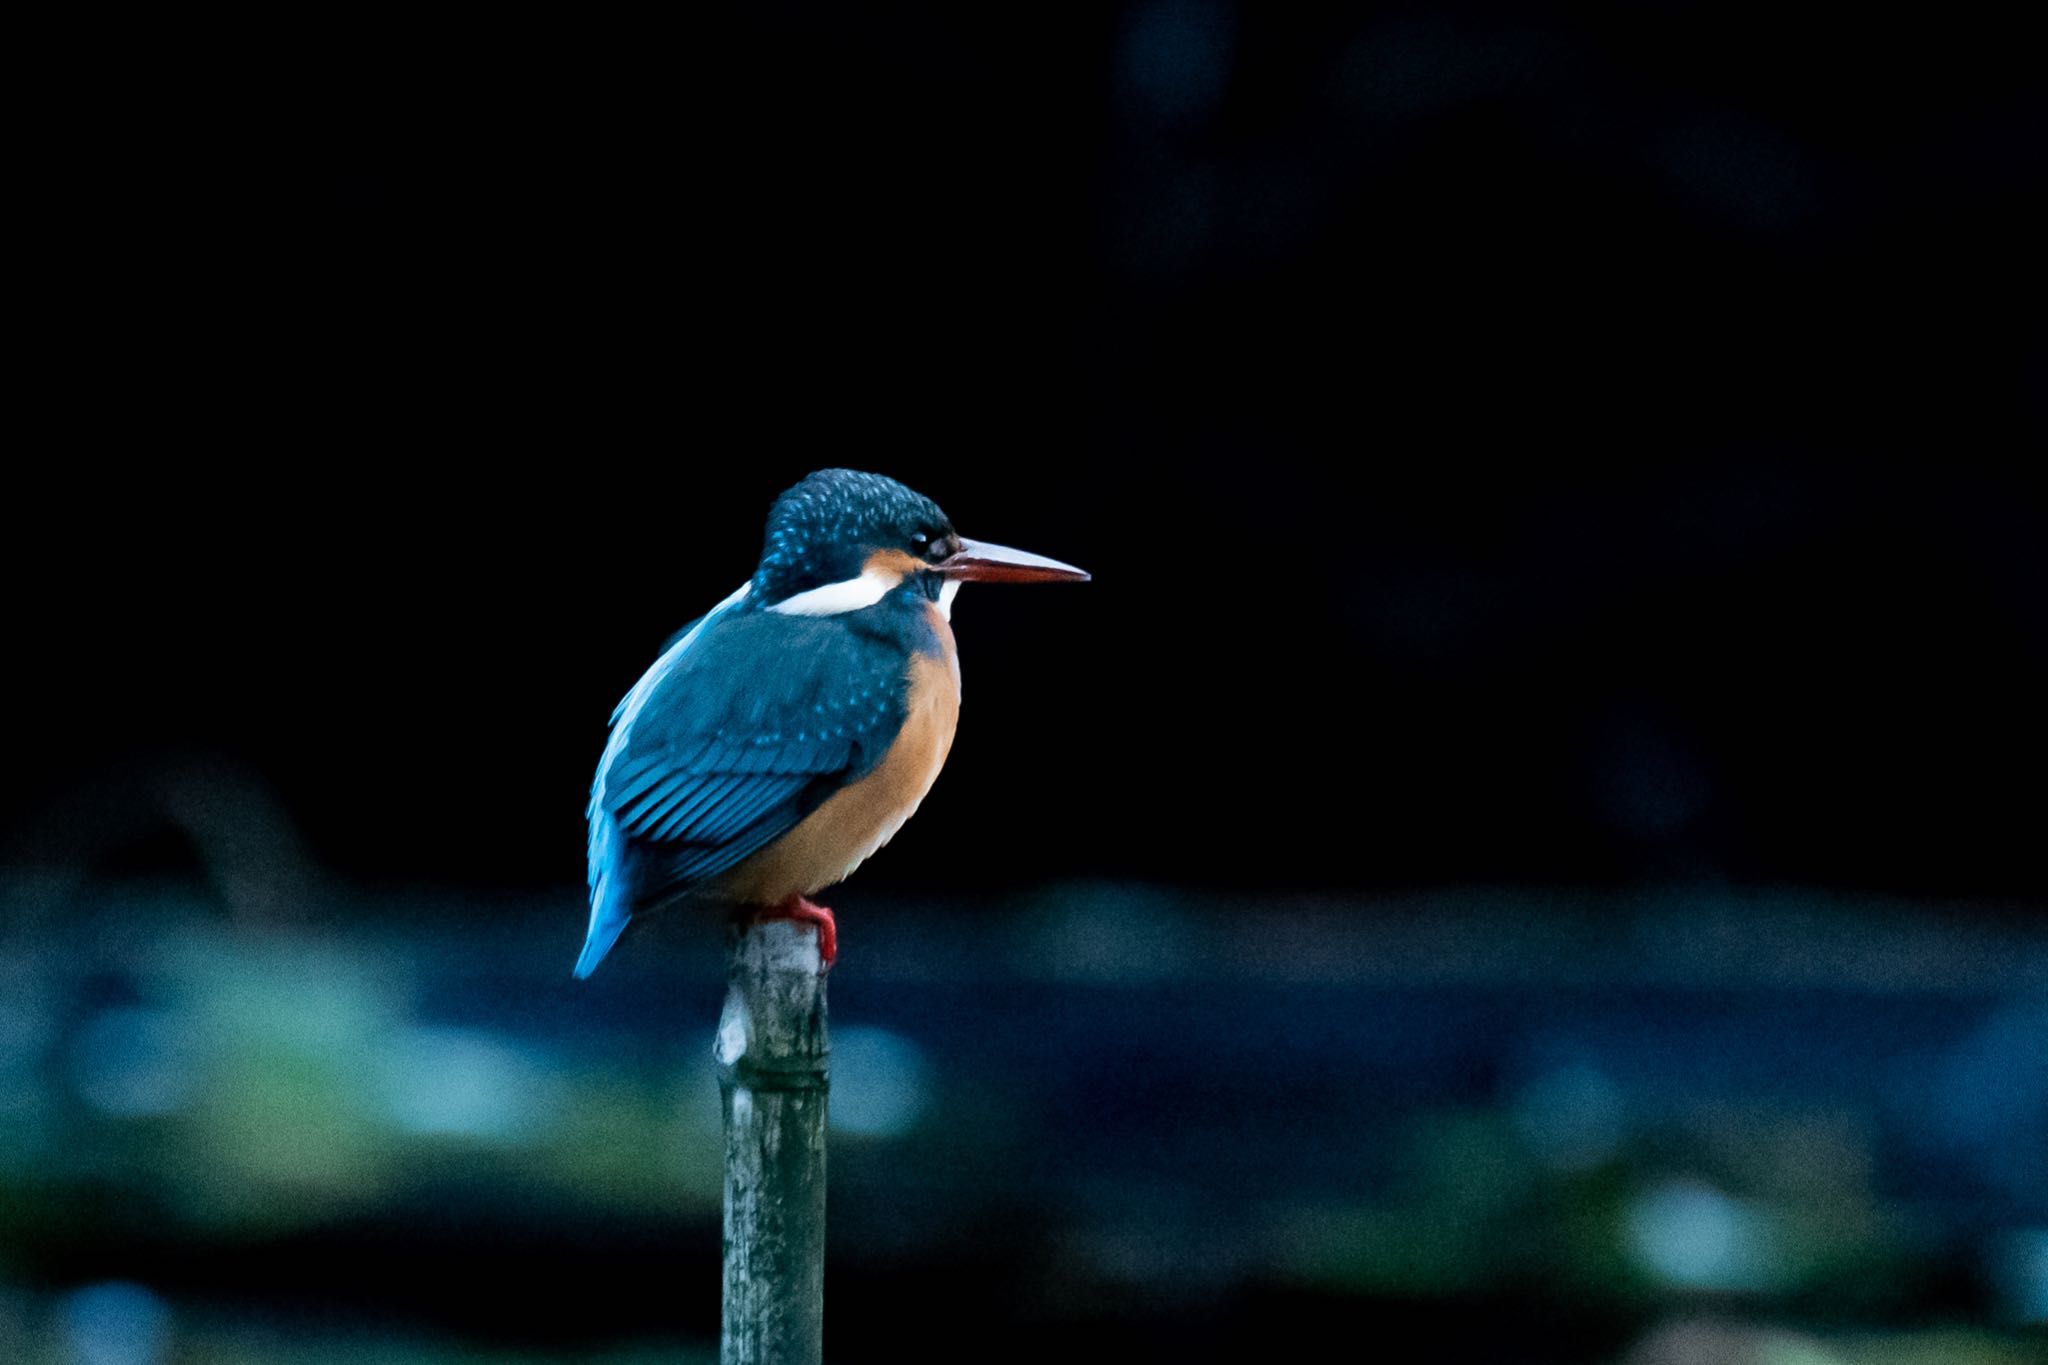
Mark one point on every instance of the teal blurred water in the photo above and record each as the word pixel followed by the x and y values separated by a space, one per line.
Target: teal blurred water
pixel 360 1133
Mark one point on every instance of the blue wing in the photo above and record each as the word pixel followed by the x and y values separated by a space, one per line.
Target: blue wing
pixel 741 728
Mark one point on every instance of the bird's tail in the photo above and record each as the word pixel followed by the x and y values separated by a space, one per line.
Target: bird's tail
pixel 610 891
pixel 607 922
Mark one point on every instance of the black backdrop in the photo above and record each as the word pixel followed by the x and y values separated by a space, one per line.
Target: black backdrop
pixel 1574 444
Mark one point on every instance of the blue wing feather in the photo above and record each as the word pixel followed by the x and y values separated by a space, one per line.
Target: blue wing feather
pixel 741 728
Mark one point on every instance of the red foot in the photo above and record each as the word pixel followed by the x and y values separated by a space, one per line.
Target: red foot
pixel 804 912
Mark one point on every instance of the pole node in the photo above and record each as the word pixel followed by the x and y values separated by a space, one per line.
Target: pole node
pixel 773 1077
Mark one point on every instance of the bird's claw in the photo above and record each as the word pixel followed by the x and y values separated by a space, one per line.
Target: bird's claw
pixel 804 911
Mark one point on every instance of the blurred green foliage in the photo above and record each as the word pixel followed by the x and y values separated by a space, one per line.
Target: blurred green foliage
pixel 185 1089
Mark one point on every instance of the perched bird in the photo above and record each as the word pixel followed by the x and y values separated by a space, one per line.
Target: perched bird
pixel 788 734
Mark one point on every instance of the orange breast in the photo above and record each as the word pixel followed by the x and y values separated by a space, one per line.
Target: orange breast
pixel 859 818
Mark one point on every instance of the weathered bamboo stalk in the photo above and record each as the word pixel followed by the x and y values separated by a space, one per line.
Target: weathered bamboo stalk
pixel 772 1054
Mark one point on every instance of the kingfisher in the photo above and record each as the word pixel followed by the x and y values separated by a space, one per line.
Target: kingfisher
pixel 786 735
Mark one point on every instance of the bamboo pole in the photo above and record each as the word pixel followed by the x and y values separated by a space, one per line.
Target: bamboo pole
pixel 772 1053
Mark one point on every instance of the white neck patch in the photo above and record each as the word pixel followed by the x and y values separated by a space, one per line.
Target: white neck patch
pixel 850 594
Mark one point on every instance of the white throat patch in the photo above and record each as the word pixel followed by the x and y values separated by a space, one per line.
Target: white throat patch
pixel 948 590
pixel 850 594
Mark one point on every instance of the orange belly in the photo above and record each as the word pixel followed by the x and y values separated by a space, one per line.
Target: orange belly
pixel 859 818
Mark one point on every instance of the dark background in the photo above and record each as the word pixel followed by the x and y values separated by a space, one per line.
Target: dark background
pixel 1477 420
pixel 1574 449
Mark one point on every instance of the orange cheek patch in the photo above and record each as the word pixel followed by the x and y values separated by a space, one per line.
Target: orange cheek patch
pixel 893 561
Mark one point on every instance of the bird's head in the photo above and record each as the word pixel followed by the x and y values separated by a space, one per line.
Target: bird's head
pixel 842 539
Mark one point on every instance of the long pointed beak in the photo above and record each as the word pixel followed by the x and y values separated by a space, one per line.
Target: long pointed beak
pixel 977 561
